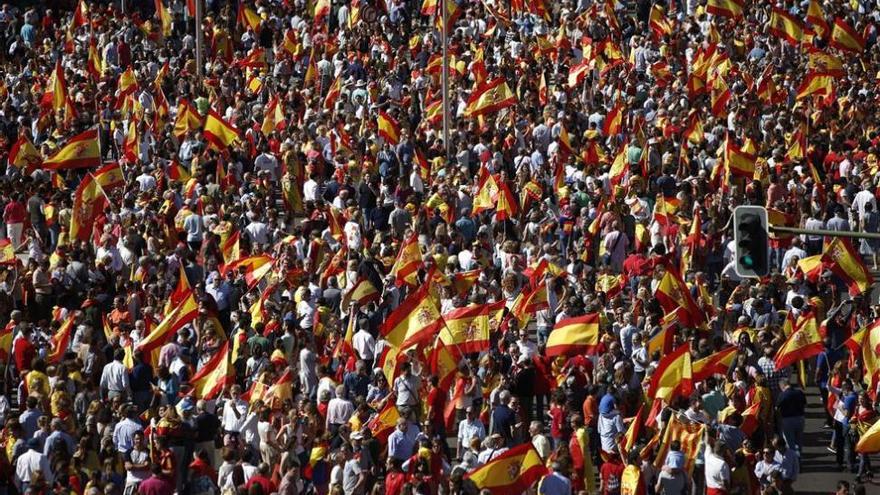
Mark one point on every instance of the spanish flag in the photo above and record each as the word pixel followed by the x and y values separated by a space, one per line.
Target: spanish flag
pixel 869 441
pixel 824 63
pixel 415 321
pixel 57 96
pixel 219 132
pixel 578 335
pixel 528 302
pixel 187 120
pixel 434 112
pixel 506 207
pixel 60 341
pixel 389 128
pixel 88 202
pixel 81 14
pixel 467 329
pixel 785 26
pixel 725 8
pixel 490 97
pixel 6 336
pixel 255 59
pixel 164 18
pixel 247 18
pixel 717 363
pixel 165 331
pixel 750 420
pixel 514 471
pixel 24 155
pixel 430 7
pixel 694 132
pixel 803 343
pixel 845 38
pixel 658 22
pixel 274 116
pixel 362 293
pixel 565 148
pixel 578 73
pixel 443 362
pixel 109 177
pixel 463 281
pixel 689 435
pixel 612 285
pixel 408 262
pixel 673 376
pixel 254 268
pixel 815 84
pixel 739 163
pixel 619 167
pixel 811 267
pixel 128 85
pixel 720 95
pixel 291 44
pixel 816 18
pixel 95 64
pixel 634 429
pixel 614 120
pixel 322 9
pixel 870 350
pixel 487 192
pixel 214 375
pixel 846 263
pixel 382 424
pixel 80 151
pixel 7 252
pixel 130 142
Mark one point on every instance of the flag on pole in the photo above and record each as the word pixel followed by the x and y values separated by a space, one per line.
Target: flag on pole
pixel 514 471
pixel 578 335
pixel 80 151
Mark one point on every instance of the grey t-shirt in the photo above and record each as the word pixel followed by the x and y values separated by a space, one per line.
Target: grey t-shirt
pixel 350 475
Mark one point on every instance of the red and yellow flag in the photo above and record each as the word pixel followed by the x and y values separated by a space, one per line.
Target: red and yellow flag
pixel 738 162
pixel 487 192
pixel 80 151
pixel 672 292
pixel 56 95
pixel 720 95
pixel 109 177
pixel 490 97
pixel 187 120
pixel 614 120
pixel 61 340
pixel 219 132
pixel 408 262
pixel 274 118
pixel 817 84
pixel 689 436
pixel 803 343
pixel 212 376
pixel 506 207
pixel 254 268
pixel 382 425
pixel 725 8
pixel 88 202
pixel 467 329
pixel 6 336
pixel 165 331
pixel 7 252
pixel 247 18
pixel 816 18
pixel 869 440
pixel 94 64
pixel 362 293
pixel 842 259
pixel 578 335
pixel 673 376
pixel 717 363
pixel 415 321
pixel 24 154
pixel 659 24
pixel 128 85
pixel 389 128
pixel 845 38
pixel 785 26
pixel 514 471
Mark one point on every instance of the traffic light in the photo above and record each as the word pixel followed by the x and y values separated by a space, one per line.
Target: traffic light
pixel 750 235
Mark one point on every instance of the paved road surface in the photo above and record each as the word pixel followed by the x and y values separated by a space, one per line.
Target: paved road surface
pixel 819 473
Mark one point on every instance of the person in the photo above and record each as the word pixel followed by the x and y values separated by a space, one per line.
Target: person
pixel 137 464
pixel 791 408
pixel 29 464
pixel 672 478
pixel 555 483
pixel 610 474
pixel 157 484
pixel 469 428
pixel 716 469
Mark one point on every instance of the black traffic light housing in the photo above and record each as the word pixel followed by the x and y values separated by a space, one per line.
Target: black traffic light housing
pixel 751 236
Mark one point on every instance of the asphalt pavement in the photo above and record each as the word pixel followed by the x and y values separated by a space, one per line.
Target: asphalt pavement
pixel 819 472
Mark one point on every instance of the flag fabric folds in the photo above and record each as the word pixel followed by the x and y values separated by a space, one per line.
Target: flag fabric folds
pixel 689 435
pixel 218 132
pixel 841 258
pixel 415 321
pixel 845 38
pixel 803 343
pixel 578 335
pixel 389 128
pixel 212 376
pixel 673 376
pixel 514 471
pixel 80 151
pixel 490 98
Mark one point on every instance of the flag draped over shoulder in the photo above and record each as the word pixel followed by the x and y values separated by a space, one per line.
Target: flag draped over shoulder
pixel 514 471
pixel 578 335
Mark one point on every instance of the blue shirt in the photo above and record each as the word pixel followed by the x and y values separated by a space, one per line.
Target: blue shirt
pixel 28 420
pixel 59 436
pixel 401 445
pixel 555 484
pixel 28 33
pixel 123 434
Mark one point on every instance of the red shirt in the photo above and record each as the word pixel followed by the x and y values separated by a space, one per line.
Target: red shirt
pixel 156 485
pixel 394 483
pixel 437 403
pixel 14 213
pixel 23 352
pixel 611 473
pixel 266 483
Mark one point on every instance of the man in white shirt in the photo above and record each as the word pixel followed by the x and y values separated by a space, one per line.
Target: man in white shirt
pixel 28 463
pixel 267 161
pixel 364 344
pixel 717 470
pixel 339 410
pixel 468 428
pixel 234 412
pixel 114 377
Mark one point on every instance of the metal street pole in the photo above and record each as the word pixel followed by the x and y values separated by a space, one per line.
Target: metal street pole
pixel 445 77
pixel 823 232
pixel 200 42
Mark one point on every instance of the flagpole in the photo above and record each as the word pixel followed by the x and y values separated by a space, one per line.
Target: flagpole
pixel 200 63
pixel 445 77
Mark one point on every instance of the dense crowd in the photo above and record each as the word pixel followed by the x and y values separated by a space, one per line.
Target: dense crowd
pixel 272 274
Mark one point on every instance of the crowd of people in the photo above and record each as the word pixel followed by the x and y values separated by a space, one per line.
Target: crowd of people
pixel 282 276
